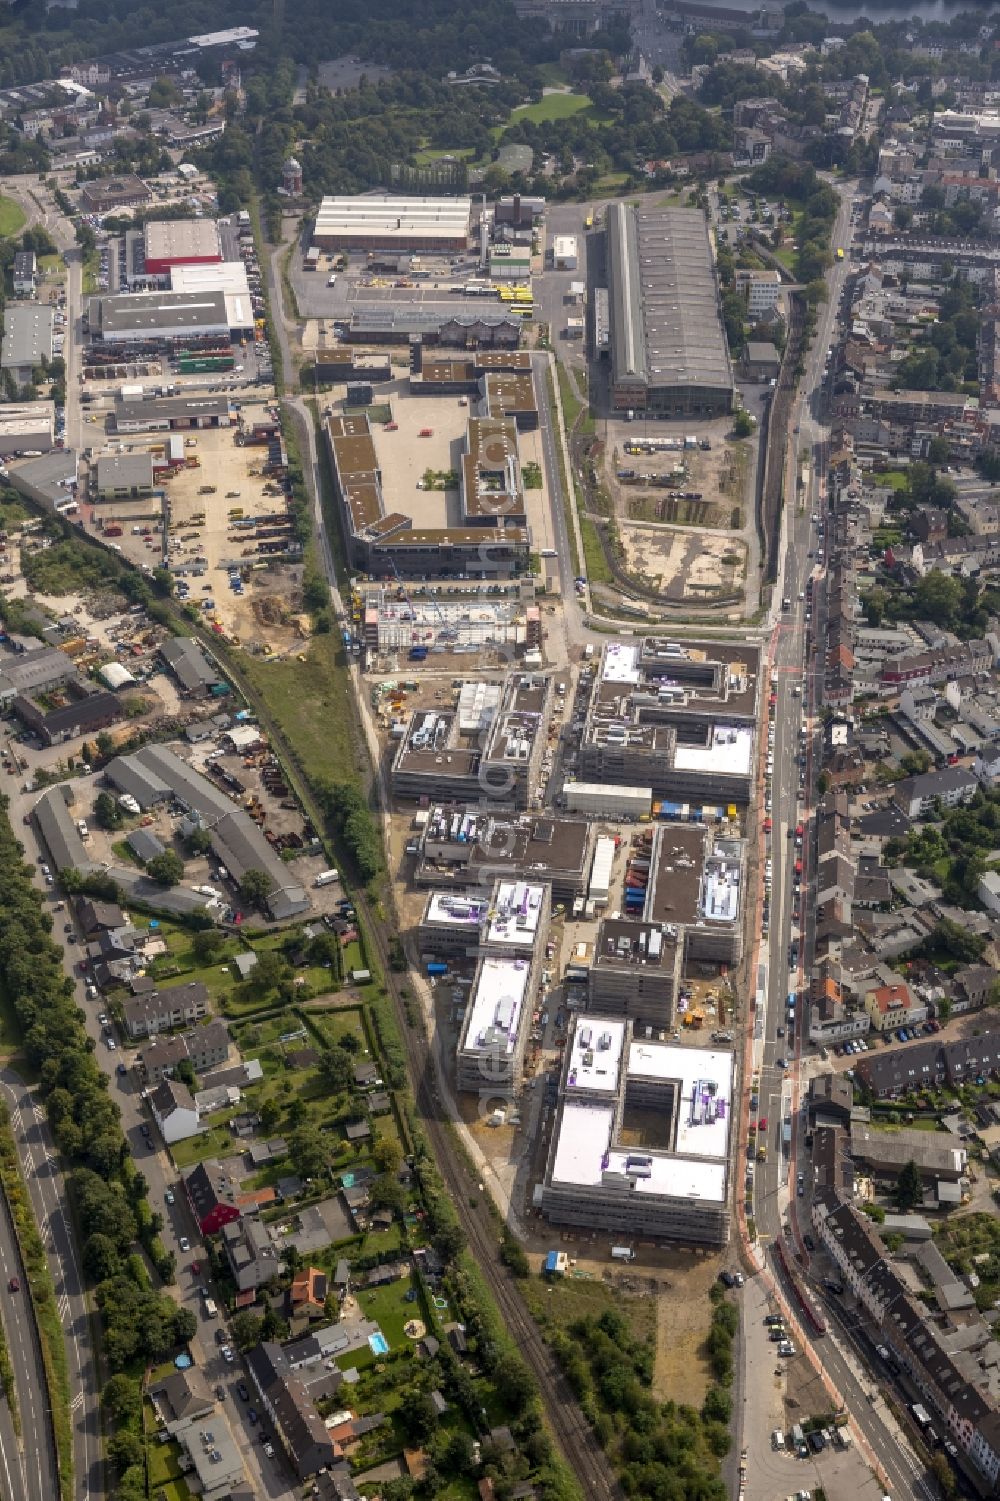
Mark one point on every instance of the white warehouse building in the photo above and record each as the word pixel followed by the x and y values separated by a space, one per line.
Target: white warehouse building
pixel 383 221
pixel 599 798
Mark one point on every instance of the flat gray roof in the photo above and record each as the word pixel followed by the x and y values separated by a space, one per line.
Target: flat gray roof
pixel 125 471
pixel 148 312
pixel 27 334
pixel 666 318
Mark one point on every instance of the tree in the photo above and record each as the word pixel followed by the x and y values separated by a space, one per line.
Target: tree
pixel 184 1325
pixel 255 888
pixel 270 1113
pixel 166 869
pixel 387 1193
pixel 308 1151
pixel 417 1415
pixel 909 1189
pixel 514 1381
pixel 245 1328
pixel 207 945
pixel 122 1399
pixel 336 1068
pixel 388 1154
pixel 100 1257
pixel 125 1449
pixel 742 424
pixel 199 841
pixel 270 971
pixel 186 1073
pixel 107 814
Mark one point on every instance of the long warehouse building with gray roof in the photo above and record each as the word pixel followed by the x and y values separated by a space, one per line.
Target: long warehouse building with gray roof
pixel 669 353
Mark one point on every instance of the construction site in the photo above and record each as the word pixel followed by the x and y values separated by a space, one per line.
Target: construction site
pixel 412 623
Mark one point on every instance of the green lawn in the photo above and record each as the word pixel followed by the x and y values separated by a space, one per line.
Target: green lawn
pixel 344 1022
pixel 388 1307
pixel 894 478
pixel 353 957
pixel 164 1471
pixel 310 701
pixel 12 217
pixel 552 107
pixel 215 1142
pixel 429 154
pixel 597 564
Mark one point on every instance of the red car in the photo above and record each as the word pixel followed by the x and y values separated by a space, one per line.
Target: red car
pixel 762 1123
pixel 767 826
pixel 14 1285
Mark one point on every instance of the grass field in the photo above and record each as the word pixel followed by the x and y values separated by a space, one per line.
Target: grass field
pixel 310 701
pixel 553 107
pixel 12 217
pixel 428 154
pixel 388 1308
pixel 165 1478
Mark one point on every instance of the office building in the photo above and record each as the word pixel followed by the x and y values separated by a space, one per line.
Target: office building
pixel 501 1001
pixel 461 846
pixel 439 758
pixel 677 717
pixel 616 1091
pixel 669 353
pixel 382 541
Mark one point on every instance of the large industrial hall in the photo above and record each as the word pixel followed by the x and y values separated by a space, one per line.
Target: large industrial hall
pixel 669 353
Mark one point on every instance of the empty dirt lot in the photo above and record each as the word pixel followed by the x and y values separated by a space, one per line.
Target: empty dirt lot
pixel 686 565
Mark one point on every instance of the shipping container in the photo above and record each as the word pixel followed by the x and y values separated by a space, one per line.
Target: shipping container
pixel 436 967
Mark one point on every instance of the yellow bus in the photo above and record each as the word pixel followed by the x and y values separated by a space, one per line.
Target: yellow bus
pixel 588 223
pixel 525 310
pixel 840 254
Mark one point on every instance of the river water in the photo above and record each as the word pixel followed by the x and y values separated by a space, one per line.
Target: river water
pixel 896 10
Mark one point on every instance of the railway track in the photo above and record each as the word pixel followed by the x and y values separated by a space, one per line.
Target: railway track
pixel 570 1427
pixel 568 1424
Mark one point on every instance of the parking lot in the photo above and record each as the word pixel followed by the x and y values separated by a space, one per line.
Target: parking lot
pixel 205 542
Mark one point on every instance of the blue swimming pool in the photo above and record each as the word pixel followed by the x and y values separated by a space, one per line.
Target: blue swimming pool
pixel 378 1344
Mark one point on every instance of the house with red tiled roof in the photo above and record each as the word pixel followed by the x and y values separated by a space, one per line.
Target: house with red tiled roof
pixel 892 1006
pixel 307 1293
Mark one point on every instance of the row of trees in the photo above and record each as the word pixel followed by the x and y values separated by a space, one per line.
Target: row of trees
pixel 108 1192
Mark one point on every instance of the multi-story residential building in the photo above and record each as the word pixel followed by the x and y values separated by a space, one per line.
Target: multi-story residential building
pixel 917 796
pixel 893 1006
pixel 162 1010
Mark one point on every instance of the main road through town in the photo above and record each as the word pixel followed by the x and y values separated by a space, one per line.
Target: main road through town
pixel 797 657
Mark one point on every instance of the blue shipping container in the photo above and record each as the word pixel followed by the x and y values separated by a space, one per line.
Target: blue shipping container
pixel 436 968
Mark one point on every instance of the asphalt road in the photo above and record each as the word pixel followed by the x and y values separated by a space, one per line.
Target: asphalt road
pixel 28 1466
pixel 47 1192
pixel 797 656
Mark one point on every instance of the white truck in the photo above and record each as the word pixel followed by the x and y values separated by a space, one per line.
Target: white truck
pixel 622 1253
pixel 326 878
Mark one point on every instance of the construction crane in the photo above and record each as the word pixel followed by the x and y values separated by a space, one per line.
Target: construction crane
pixel 448 632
